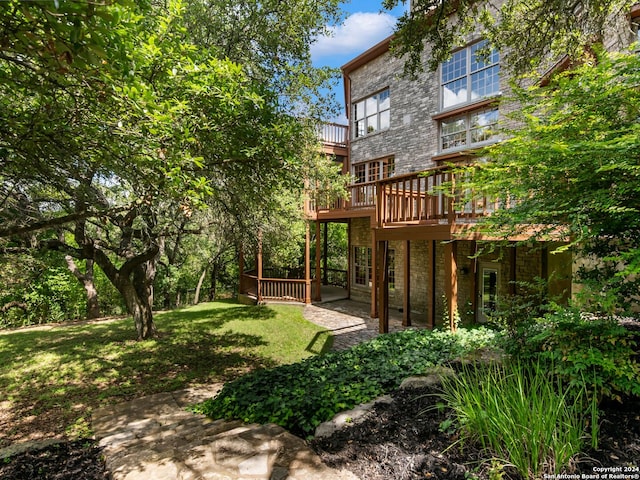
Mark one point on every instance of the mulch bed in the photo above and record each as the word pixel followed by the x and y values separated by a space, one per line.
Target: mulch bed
pixel 79 460
pixel 399 441
pixel 404 441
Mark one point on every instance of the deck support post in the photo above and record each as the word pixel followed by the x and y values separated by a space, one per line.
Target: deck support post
pixel 374 274
pixel 325 249
pixel 451 278
pixel 383 310
pixel 259 268
pixel 307 264
pixel 318 296
pixel 474 279
pixel 349 258
pixel 431 287
pixel 406 295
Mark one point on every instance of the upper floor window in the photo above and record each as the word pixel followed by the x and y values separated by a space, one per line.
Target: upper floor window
pixel 469 129
pixel 469 75
pixel 372 114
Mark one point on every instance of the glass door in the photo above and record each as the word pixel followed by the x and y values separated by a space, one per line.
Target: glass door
pixel 487 291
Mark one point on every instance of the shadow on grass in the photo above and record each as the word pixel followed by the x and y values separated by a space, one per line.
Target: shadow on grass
pixel 51 378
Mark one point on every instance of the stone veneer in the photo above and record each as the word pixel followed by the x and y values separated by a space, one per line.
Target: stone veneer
pixel 529 262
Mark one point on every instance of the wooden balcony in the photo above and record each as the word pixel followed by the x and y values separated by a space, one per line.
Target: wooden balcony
pixel 334 138
pixel 405 200
pixel 361 202
pixel 418 198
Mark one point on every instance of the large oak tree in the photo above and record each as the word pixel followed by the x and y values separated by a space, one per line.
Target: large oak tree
pixel 118 123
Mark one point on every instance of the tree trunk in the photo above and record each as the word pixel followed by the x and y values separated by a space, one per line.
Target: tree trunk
pixel 214 276
pixel 196 298
pixel 143 278
pixel 141 309
pixel 87 281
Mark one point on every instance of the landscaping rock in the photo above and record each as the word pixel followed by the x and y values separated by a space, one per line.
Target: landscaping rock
pixel 431 377
pixel 349 417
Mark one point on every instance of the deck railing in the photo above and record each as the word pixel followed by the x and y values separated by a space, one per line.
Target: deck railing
pixel 283 289
pixel 335 277
pixel 420 198
pixel 360 196
pixel 267 288
pixel 333 134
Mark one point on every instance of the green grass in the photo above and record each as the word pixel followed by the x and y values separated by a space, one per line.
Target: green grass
pixel 52 378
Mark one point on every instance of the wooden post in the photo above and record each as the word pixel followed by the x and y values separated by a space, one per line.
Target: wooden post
pixel 318 295
pixel 431 286
pixel 259 267
pixel 406 296
pixel 383 310
pixel 307 264
pixel 325 249
pixel 374 274
pixel 474 279
pixel 349 258
pixel 451 274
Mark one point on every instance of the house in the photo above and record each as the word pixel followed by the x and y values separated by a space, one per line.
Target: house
pixel 411 248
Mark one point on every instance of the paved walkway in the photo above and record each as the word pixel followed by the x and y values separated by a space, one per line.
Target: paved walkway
pixel 156 438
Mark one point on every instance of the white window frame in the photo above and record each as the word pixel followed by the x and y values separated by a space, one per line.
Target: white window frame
pixel 372 114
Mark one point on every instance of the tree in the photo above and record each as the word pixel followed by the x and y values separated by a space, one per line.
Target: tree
pixel 123 148
pixel 528 33
pixel 570 166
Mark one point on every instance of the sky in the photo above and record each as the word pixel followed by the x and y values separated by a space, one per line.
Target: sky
pixel 364 26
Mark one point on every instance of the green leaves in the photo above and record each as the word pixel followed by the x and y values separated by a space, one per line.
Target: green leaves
pixel 302 395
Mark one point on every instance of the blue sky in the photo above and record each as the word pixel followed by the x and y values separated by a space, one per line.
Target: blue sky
pixel 364 26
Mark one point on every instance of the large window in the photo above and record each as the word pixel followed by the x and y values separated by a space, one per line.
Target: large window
pixel 468 130
pixel 372 114
pixel 469 75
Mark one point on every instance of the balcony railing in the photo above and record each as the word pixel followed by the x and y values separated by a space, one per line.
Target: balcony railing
pixel 333 134
pixel 361 196
pixel 420 198
pixel 415 198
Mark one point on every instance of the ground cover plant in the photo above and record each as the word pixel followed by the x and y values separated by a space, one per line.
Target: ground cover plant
pixel 52 377
pixel 300 396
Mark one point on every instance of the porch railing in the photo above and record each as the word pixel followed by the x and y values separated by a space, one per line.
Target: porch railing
pixel 334 277
pixel 267 288
pixel 281 289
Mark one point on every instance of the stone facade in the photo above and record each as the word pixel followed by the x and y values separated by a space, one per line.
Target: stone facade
pixel 412 138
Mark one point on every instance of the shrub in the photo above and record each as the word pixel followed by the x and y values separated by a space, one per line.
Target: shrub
pixel 586 351
pixel 302 395
pixel 518 412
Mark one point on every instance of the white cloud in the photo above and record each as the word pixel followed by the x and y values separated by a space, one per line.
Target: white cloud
pixel 359 32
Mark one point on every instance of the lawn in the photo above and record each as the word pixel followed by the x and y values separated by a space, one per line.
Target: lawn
pixel 51 379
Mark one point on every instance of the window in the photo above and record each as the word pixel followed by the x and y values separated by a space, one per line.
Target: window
pixel 372 114
pixel 468 130
pixel 367 173
pixel 468 75
pixel 374 170
pixel 362 265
